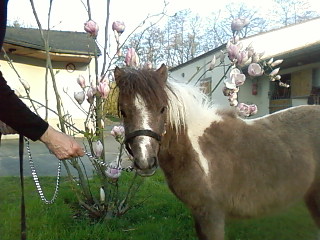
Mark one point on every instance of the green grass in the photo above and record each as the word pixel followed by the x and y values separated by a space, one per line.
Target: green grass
pixel 161 217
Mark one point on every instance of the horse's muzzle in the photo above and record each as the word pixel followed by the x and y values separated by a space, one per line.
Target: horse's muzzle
pixel 146 168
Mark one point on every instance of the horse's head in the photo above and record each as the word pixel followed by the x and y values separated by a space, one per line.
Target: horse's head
pixel 143 104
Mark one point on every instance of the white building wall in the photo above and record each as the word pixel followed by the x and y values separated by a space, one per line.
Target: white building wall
pixel 272 43
pixel 34 73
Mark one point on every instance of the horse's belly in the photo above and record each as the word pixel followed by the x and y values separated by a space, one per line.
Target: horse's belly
pixel 266 201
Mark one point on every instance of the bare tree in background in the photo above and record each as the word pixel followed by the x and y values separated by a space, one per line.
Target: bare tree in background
pixel 151 46
pixel 219 24
pixel 290 12
pixel 186 36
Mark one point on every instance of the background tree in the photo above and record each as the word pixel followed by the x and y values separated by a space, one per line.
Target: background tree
pixel 292 11
pixel 219 24
pixel 185 36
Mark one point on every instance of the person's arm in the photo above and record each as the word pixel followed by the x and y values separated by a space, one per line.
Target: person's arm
pixel 13 111
pixel 17 115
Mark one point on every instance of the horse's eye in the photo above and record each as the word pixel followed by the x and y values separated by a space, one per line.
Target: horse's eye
pixel 163 109
pixel 123 114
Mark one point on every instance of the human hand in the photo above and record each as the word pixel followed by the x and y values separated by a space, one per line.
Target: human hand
pixel 61 144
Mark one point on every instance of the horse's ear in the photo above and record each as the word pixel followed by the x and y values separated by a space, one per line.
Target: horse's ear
pixel 117 74
pixel 163 72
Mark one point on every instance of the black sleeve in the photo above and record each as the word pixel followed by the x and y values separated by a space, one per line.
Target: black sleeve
pixel 13 111
pixel 17 115
pixel 3 20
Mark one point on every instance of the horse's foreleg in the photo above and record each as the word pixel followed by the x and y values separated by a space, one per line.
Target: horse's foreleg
pixel 209 224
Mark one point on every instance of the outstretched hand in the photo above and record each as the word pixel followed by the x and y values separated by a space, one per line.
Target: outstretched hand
pixel 61 144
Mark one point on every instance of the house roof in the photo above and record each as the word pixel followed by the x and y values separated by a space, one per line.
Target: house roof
pixel 22 40
pixel 294 42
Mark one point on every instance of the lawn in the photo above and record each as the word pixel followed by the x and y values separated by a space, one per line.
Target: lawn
pixel 161 217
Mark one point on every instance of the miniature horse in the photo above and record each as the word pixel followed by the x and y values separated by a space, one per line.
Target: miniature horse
pixel 217 163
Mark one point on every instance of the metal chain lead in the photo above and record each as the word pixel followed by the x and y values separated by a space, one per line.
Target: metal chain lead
pixel 55 195
pixel 127 169
pixel 36 178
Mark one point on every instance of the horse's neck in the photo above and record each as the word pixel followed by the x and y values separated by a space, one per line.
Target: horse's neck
pixel 176 150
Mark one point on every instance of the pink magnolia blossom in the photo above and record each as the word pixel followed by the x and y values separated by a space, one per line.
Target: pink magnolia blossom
pixel 235 79
pixel 246 110
pixel 274 72
pixel 213 63
pixel 222 56
pixel 132 58
pixel 118 26
pixel 117 131
pixel 113 171
pixel 233 99
pixel 97 148
pixel 90 94
pixel 276 63
pixel 110 77
pixel 256 57
pixel 227 91
pixel 239 23
pixel 25 84
pixel 81 81
pixel 250 50
pixel 17 92
pixel 253 109
pixel 79 97
pixel 102 195
pixel 242 58
pixel 147 65
pixel 282 84
pixel 104 89
pixel 255 70
pixel 276 78
pixel 233 51
pixel 270 61
pixel 92 28
pixel 114 168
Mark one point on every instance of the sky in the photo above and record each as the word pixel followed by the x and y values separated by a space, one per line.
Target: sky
pixel 70 15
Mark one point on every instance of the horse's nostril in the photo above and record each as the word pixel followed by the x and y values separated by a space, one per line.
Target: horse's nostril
pixel 153 162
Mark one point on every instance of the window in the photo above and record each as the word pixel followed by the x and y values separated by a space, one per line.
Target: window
pixel 278 92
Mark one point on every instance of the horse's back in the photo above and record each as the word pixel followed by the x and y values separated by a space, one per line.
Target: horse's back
pixel 267 162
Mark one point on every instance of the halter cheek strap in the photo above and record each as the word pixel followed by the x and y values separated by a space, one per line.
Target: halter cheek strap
pixel 144 132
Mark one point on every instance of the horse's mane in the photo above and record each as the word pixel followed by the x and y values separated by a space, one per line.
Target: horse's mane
pixel 188 105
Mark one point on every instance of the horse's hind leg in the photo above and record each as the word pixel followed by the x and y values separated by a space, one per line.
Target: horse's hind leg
pixel 312 200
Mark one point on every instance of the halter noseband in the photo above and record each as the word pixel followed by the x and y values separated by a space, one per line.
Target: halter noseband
pixel 137 133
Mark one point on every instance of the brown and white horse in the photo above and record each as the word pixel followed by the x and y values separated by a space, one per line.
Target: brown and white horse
pixel 217 163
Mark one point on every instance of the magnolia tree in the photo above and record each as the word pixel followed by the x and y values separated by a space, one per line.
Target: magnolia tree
pixel 241 58
pixel 106 195
pixel 114 198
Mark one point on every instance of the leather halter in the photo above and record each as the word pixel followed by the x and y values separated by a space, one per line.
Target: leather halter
pixel 144 132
